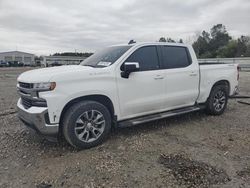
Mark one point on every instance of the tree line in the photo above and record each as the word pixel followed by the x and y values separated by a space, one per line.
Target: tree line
pixel 77 54
pixel 218 44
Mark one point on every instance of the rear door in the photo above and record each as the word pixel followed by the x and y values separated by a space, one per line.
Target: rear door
pixel 143 92
pixel 181 77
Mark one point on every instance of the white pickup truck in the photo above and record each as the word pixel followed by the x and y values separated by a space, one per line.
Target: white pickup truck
pixel 122 85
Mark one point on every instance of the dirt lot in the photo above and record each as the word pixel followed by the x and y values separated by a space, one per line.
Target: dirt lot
pixel 193 150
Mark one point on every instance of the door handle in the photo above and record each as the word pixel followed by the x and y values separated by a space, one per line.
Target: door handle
pixel 158 77
pixel 193 74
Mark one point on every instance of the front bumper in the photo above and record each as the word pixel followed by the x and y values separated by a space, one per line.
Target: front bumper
pixel 37 118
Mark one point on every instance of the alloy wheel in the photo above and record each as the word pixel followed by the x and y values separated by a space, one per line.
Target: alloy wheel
pixel 89 126
pixel 219 100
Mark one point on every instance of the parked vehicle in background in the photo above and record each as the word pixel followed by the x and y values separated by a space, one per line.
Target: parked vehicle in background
pixel 20 64
pixel 16 64
pixel 120 86
pixel 4 64
pixel 55 64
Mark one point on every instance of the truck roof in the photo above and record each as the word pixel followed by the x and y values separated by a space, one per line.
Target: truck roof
pixel 153 43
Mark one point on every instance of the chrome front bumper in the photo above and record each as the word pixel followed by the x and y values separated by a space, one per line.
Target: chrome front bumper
pixel 37 118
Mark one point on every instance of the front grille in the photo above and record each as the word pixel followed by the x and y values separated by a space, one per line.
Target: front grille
pixel 29 97
pixel 25 85
pixel 27 103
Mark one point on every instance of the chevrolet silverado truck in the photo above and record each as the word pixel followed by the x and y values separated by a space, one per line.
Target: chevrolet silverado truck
pixel 120 86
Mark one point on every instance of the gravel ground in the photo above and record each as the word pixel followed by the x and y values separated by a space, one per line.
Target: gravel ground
pixel 193 150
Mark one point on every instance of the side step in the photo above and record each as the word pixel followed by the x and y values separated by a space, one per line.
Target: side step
pixel 153 117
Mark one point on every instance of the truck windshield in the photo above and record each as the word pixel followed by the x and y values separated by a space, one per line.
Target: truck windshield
pixel 105 57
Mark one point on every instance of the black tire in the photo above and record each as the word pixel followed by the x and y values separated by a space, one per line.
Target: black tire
pixel 77 116
pixel 216 105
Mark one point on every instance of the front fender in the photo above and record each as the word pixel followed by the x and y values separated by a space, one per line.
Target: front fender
pixel 58 99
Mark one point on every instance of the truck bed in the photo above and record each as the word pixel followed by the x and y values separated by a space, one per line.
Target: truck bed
pixel 210 72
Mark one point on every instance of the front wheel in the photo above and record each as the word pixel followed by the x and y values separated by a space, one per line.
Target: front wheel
pixel 217 101
pixel 86 124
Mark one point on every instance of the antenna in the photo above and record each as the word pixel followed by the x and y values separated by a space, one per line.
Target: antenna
pixel 131 41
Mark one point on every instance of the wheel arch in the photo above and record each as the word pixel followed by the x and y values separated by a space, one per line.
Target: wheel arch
pixel 222 82
pixel 209 106
pixel 106 101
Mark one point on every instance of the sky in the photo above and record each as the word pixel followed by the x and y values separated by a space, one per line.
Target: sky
pixel 45 27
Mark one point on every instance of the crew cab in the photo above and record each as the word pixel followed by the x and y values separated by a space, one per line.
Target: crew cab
pixel 120 86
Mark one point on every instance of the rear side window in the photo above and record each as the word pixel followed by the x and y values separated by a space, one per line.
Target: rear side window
pixel 146 57
pixel 175 57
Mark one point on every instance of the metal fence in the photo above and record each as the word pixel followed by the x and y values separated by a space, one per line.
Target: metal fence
pixel 244 62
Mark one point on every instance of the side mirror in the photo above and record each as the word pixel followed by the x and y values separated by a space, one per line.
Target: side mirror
pixel 129 67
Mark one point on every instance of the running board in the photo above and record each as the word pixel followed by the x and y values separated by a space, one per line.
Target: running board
pixel 153 117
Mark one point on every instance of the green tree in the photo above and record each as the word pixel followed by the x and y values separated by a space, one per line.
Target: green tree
pixel 247 53
pixel 220 38
pixel 78 54
pixel 235 48
pixel 210 45
pixel 242 46
pixel 170 40
pixel 206 36
pixel 218 29
pixel 162 39
pixel 201 45
pixel 230 50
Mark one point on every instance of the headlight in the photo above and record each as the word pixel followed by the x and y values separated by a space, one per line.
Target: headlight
pixel 44 86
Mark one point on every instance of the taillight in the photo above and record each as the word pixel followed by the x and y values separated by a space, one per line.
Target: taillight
pixel 238 72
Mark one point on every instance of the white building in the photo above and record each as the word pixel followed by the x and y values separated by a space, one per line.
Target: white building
pixel 61 60
pixel 17 56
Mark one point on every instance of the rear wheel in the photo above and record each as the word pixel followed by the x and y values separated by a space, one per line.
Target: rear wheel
pixel 86 124
pixel 217 101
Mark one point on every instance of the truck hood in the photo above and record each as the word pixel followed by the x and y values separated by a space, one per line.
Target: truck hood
pixel 45 74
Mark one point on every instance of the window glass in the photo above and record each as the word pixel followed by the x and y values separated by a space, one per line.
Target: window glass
pixel 105 57
pixel 146 57
pixel 175 57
